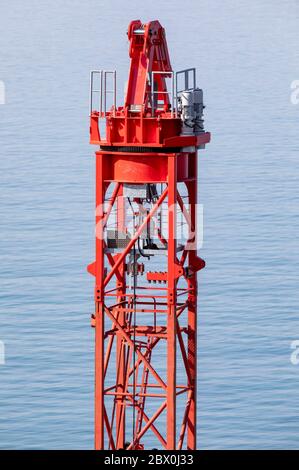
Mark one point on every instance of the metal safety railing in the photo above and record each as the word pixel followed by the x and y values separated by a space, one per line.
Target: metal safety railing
pixel 100 105
pixel 102 91
pixel 186 74
pixel 155 92
pixel 189 83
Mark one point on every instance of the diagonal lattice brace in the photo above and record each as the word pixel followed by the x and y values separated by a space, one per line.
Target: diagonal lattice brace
pixel 138 352
pixel 135 237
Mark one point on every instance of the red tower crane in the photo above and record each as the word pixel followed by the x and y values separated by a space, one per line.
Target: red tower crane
pixel 146 258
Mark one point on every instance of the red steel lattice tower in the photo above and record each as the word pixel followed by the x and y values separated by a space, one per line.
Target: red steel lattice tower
pixel 146 260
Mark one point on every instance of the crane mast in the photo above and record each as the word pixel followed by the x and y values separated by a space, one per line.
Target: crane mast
pixel 146 259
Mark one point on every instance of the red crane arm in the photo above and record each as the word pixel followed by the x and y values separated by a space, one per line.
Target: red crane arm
pixel 148 52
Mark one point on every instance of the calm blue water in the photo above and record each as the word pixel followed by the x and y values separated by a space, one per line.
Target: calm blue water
pixel 247 54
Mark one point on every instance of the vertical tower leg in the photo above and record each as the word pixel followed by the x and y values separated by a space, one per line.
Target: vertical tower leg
pixel 99 307
pixel 120 344
pixel 120 373
pixel 171 301
pixel 192 314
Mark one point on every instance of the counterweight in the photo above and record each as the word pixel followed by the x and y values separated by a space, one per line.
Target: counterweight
pixel 146 260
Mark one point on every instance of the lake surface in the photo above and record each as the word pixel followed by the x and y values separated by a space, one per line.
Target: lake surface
pixel 247 55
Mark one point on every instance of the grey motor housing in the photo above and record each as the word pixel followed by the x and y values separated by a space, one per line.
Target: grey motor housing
pixel 190 107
